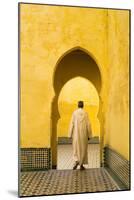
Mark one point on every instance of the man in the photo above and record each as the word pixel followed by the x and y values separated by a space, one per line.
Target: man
pixel 80 131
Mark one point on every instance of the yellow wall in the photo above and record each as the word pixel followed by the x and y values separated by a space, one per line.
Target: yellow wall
pixel 77 89
pixel 117 115
pixel 46 33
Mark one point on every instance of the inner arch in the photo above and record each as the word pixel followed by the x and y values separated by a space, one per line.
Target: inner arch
pixel 74 90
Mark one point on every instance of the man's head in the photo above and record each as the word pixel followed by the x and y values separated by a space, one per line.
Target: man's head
pixel 80 104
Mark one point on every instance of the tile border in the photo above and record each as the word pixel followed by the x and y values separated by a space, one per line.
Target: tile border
pixel 67 140
pixel 35 159
pixel 117 166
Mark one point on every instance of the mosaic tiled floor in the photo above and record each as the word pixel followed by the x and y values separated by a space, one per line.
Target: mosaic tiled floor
pixel 65 182
pixel 65 159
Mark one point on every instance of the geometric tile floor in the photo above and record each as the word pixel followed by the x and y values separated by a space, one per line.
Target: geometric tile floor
pixel 65 159
pixel 54 182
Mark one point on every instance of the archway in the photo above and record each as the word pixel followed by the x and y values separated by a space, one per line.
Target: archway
pixel 75 62
pixel 74 90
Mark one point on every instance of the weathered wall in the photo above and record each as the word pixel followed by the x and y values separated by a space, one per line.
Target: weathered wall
pixel 46 33
pixel 117 115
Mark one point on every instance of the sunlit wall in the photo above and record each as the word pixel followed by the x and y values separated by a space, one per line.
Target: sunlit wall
pixel 74 90
pixel 46 33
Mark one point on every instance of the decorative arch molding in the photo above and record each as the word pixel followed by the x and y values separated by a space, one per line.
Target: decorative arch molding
pixel 71 50
pixel 61 76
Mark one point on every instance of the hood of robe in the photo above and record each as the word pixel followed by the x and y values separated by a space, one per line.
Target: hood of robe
pixel 80 115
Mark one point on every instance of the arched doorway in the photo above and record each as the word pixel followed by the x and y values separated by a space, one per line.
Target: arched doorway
pixel 75 62
pixel 74 90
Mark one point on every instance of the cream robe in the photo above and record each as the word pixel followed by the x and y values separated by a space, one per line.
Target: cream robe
pixel 80 131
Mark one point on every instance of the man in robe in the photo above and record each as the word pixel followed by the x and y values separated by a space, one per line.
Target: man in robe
pixel 80 131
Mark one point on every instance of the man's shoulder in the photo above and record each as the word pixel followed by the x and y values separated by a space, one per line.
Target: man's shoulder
pixel 77 111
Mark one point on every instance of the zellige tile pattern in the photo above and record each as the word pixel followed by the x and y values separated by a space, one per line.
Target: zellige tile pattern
pixel 53 182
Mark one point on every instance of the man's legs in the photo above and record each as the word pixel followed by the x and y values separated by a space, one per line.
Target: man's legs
pixel 75 156
pixel 84 160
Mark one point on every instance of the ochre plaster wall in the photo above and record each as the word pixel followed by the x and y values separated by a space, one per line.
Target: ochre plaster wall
pixel 47 33
pixel 117 115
